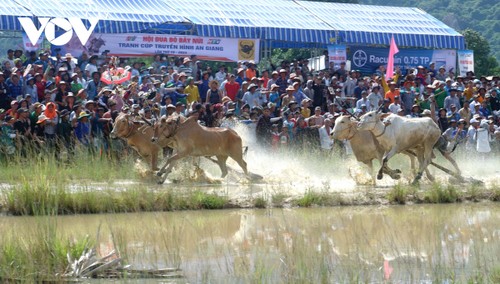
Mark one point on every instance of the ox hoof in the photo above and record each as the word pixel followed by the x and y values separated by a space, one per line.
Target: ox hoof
pixel 380 176
pixel 398 171
pixel 161 180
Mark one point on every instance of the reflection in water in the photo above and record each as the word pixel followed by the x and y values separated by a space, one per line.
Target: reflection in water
pixel 349 244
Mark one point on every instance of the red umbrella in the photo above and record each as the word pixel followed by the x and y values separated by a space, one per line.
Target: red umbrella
pixel 116 76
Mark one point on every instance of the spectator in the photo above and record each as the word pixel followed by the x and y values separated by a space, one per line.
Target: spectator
pixel 94 86
pixel 82 129
pixel 15 87
pixel 442 120
pixel 232 87
pixel 220 76
pixel 214 95
pixel 251 97
pixel 483 138
pixel 191 91
pixel 452 99
pixel 392 93
pixel 395 106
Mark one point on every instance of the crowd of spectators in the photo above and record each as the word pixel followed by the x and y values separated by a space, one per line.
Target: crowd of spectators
pixel 61 102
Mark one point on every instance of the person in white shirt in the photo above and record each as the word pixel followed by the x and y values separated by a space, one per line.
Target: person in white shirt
pixel 69 62
pixel 483 138
pixel 251 97
pixel 395 106
pixel 351 83
pixel 91 67
pixel 374 98
pixel 471 134
pixel 324 136
pixel 363 101
pixel 81 80
pixel 221 75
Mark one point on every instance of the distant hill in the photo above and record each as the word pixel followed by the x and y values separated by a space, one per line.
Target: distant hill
pixel 480 15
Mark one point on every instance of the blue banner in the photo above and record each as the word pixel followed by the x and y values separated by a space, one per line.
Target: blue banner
pixel 369 59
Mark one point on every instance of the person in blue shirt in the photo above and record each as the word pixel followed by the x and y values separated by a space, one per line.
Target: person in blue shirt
pixel 15 86
pixel 31 59
pixel 43 59
pixel 239 76
pixel 274 96
pixel 175 96
pixel 94 85
pixel 82 129
pixel 203 85
pixel 298 94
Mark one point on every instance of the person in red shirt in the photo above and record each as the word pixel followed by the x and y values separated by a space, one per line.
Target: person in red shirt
pixel 40 86
pixel 422 75
pixel 393 92
pixel 265 78
pixel 232 87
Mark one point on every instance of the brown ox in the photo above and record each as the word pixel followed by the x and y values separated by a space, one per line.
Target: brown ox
pixel 138 136
pixel 189 138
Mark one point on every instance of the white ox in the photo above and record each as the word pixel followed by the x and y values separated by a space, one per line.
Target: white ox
pixel 398 134
pixel 364 145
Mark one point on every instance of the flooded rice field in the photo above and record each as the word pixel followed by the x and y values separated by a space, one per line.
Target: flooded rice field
pixel 401 244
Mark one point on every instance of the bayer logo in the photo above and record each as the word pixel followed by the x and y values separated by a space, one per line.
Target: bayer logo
pixel 359 58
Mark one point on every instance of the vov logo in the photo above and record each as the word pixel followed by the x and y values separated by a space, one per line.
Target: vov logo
pixel 48 25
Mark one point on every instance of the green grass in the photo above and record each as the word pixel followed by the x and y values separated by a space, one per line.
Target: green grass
pixel 312 198
pixel 398 194
pixel 39 259
pixel 439 193
pixel 278 199
pixel 259 202
pixel 495 193
pixel 82 166
pixel 43 198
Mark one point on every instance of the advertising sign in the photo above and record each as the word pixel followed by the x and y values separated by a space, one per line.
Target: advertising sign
pixel 368 59
pixel 465 61
pixel 131 45
pixel 337 54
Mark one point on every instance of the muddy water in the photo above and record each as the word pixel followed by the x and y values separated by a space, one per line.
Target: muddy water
pixel 343 244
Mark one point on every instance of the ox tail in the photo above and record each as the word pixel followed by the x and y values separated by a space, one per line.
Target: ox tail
pixel 245 151
pixel 441 144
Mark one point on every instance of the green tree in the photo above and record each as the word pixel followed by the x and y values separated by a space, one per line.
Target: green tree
pixel 484 62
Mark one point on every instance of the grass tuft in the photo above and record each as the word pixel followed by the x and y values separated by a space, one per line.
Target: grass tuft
pixel 495 193
pixel 398 194
pixel 442 194
pixel 278 199
pixel 311 198
pixel 260 202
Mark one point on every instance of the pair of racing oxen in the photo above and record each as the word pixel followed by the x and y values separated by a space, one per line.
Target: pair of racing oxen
pixel 185 135
pixel 372 136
